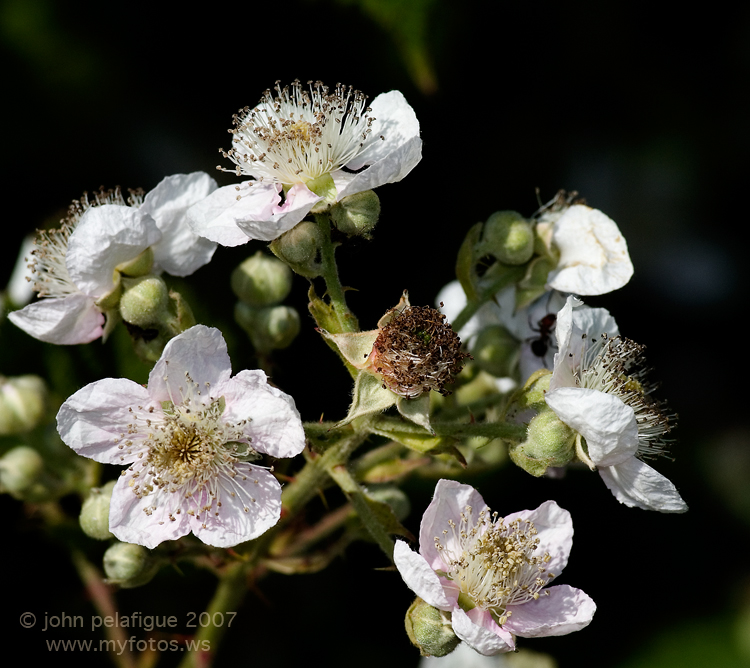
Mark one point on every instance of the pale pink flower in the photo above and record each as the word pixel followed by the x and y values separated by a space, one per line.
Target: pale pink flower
pixel 316 145
pixel 491 573
pixel 189 437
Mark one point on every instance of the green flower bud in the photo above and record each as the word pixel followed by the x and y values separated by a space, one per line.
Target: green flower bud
pixel 299 248
pixel 430 630
pixel 129 565
pixel 20 469
pixel 496 351
pixel 394 497
pixel 549 442
pixel 94 517
pixel 357 215
pixel 145 301
pixel 509 237
pixel 261 280
pixel 138 266
pixel 269 328
pixel 22 403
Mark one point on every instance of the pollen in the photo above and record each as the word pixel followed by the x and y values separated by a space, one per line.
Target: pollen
pixel 417 351
pixel 494 563
pixel 297 134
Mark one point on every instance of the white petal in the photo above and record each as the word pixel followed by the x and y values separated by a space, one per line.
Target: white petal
pixel 200 351
pixel 92 420
pixel 215 217
pixel 274 426
pixel 638 485
pixel 20 288
pixel 256 214
pixel 105 237
pixel 593 253
pixel 64 321
pixel 563 611
pixel 180 252
pixel 420 578
pixel 608 425
pixel 129 521
pixel 554 531
pixel 395 120
pixel 450 500
pixel 390 169
pixel 484 640
pixel 254 508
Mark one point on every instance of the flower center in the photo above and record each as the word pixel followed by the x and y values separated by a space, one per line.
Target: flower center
pixel 416 351
pixel 618 366
pixel 493 563
pixel 300 135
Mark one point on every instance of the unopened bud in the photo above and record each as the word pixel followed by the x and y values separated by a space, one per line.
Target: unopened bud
pixel 261 280
pixel 20 469
pixel 269 328
pixel 145 301
pixel 22 403
pixel 549 442
pixel 299 248
pixel 357 215
pixel 394 497
pixel 94 517
pixel 495 351
pixel 430 630
pixel 509 237
pixel 129 565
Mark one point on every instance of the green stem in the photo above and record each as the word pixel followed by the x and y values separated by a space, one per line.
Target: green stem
pixel 347 320
pixel 226 600
pixel 508 277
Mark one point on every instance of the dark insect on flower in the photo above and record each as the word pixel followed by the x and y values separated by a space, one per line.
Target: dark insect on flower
pixel 542 343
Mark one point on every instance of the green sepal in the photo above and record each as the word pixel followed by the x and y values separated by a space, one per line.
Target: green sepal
pixel 466 260
pixel 356 347
pixel 369 397
pixel 324 314
pixel 381 513
pixel 417 410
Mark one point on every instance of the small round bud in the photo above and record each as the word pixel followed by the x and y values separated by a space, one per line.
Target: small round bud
pixel 94 517
pixel 138 266
pixel 357 215
pixel 495 351
pixel 145 301
pixel 261 280
pixel 299 248
pixel 22 403
pixel 430 630
pixel 129 565
pixel 20 469
pixel 549 442
pixel 269 328
pixel 394 497
pixel 509 237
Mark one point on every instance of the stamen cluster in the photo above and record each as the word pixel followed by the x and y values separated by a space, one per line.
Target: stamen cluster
pixel 49 271
pixel 617 366
pixel 299 135
pixel 416 351
pixel 492 562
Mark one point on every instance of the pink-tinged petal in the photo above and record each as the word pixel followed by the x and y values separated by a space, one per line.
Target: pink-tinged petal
pixel 395 121
pixel 563 611
pixel 554 530
pixel 594 257
pixel 105 237
pixel 478 630
pixel 180 252
pixel 608 425
pixel 65 321
pixel 145 520
pixel 92 420
pixel 254 508
pixel 420 578
pixel 274 425
pixel 216 216
pixel 638 485
pixel 390 169
pixel 270 220
pixel 450 500
pixel 200 351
